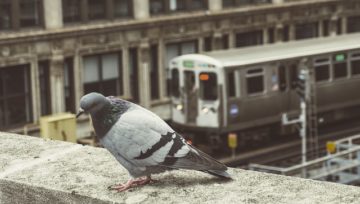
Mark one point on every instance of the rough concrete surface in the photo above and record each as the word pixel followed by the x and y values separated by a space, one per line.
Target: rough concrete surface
pixel 34 170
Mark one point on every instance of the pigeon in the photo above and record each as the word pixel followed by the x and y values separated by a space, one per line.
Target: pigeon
pixel 142 142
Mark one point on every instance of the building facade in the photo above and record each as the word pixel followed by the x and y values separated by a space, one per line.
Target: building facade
pixel 54 51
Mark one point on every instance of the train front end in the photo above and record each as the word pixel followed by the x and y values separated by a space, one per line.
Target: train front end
pixel 196 92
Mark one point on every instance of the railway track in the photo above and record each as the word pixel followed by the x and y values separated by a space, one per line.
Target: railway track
pixel 289 153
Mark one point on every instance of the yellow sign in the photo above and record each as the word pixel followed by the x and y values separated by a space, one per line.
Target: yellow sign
pixel 232 140
pixel 331 147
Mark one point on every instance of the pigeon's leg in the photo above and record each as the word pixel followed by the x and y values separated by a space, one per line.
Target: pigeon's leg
pixel 131 183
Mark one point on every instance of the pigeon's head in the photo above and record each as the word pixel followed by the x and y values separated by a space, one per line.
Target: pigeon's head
pixel 91 103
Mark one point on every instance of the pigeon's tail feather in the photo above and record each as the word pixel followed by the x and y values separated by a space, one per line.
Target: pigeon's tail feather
pixel 219 173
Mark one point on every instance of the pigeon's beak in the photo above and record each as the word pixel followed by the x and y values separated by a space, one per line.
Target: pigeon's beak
pixel 81 111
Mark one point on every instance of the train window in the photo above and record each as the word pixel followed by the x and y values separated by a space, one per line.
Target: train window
pixel 231 84
pixel 255 81
pixel 355 67
pixel 175 83
pixel 293 76
pixel 340 70
pixel 208 86
pixel 282 78
pixel 322 73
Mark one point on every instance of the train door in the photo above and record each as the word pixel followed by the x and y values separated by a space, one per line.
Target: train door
pixel 209 99
pixel 190 97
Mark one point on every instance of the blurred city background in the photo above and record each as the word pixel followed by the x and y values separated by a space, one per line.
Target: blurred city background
pixel 269 85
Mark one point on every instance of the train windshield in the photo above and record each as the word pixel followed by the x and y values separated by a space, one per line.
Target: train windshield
pixel 208 86
pixel 175 83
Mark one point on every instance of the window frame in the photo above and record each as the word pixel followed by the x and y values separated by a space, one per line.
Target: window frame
pixel 354 56
pixel 26 94
pixel 334 63
pixel 100 83
pixel 202 86
pixel 15 13
pixel 248 75
pixel 321 61
pixel 187 7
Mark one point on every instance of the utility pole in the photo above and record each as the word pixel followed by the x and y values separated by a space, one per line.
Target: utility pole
pixel 303 90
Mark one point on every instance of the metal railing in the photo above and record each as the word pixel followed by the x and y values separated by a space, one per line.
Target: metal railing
pixel 342 166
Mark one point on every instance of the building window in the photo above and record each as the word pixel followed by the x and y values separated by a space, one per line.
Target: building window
pixel 154 73
pixel 176 49
pixel 44 79
pixel 102 73
pixel 207 44
pixel 225 41
pixel 71 11
pixel 157 6
pixel 285 33
pixel 30 13
pixel 15 98
pixel 96 9
pixel 134 77
pixel 249 38
pixel 339 26
pixel 271 35
pixel 69 85
pixel 255 81
pixel 5 14
pixel 353 24
pixel 307 30
pixel 326 27
pixel 167 6
pixel 122 8
pixel 232 3
pixel 20 14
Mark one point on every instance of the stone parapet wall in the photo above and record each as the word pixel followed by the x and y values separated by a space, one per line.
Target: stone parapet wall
pixel 34 170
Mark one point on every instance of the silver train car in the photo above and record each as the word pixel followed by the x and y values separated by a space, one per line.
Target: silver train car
pixel 247 90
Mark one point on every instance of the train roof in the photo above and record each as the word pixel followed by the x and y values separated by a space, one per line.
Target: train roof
pixel 280 51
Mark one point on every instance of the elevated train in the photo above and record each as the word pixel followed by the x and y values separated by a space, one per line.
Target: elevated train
pixel 246 91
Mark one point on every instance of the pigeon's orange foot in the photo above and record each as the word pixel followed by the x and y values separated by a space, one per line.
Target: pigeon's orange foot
pixel 131 183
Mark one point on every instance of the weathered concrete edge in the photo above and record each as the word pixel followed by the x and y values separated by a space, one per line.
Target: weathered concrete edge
pixel 38 194
pixel 85 178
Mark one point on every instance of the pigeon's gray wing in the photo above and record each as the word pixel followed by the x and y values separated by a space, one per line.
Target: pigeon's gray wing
pixel 146 140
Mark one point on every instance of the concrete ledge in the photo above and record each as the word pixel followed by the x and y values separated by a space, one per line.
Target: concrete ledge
pixel 34 170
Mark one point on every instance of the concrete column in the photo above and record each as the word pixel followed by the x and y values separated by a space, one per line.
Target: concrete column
pixel 321 28
pixel 292 32
pixel 141 9
pixel 35 89
pixel 232 39
pixel 53 14
pixel 343 25
pixel 57 83
pixel 144 74
pixel 126 71
pixel 278 1
pixel 333 26
pixel 162 67
pixel 200 45
pixel 215 5
pixel 78 81
pixel 266 36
